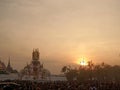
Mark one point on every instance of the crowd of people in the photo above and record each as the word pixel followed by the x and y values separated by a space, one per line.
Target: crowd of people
pixel 58 85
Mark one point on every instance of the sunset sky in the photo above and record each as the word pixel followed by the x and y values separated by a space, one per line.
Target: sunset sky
pixel 63 30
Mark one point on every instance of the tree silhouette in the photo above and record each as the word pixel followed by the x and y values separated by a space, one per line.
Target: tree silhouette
pixel 102 72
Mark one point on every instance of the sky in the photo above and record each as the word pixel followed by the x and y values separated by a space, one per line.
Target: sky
pixel 63 30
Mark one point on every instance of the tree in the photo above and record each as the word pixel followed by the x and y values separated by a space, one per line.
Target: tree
pixel 101 72
pixel 71 74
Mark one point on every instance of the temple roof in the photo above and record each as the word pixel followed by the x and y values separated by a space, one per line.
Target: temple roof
pixel 2 65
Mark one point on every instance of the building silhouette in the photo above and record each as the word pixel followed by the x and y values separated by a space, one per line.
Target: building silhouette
pixel 8 69
pixel 35 69
pixel 2 66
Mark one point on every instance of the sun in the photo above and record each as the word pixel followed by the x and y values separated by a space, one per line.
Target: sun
pixel 82 61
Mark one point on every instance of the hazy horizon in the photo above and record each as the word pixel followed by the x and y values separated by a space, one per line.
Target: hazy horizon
pixel 63 30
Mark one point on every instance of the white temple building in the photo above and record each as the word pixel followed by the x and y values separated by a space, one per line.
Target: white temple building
pixel 34 70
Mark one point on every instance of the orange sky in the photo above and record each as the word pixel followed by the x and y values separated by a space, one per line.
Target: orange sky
pixel 63 30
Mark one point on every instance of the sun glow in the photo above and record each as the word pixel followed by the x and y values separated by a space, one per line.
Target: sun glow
pixel 82 61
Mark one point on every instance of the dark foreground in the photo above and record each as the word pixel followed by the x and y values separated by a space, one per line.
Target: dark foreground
pixel 58 85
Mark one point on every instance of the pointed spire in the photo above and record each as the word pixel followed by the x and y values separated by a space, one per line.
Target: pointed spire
pixel 9 64
pixel 9 68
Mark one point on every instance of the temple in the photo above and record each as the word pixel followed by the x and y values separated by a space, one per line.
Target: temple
pixel 35 69
pixel 8 69
pixel 2 68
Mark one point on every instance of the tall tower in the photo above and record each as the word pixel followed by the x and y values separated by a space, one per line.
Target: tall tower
pixel 9 68
pixel 35 63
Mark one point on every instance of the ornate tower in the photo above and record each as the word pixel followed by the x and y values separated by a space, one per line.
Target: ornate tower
pixel 36 64
pixel 35 54
pixel 9 68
